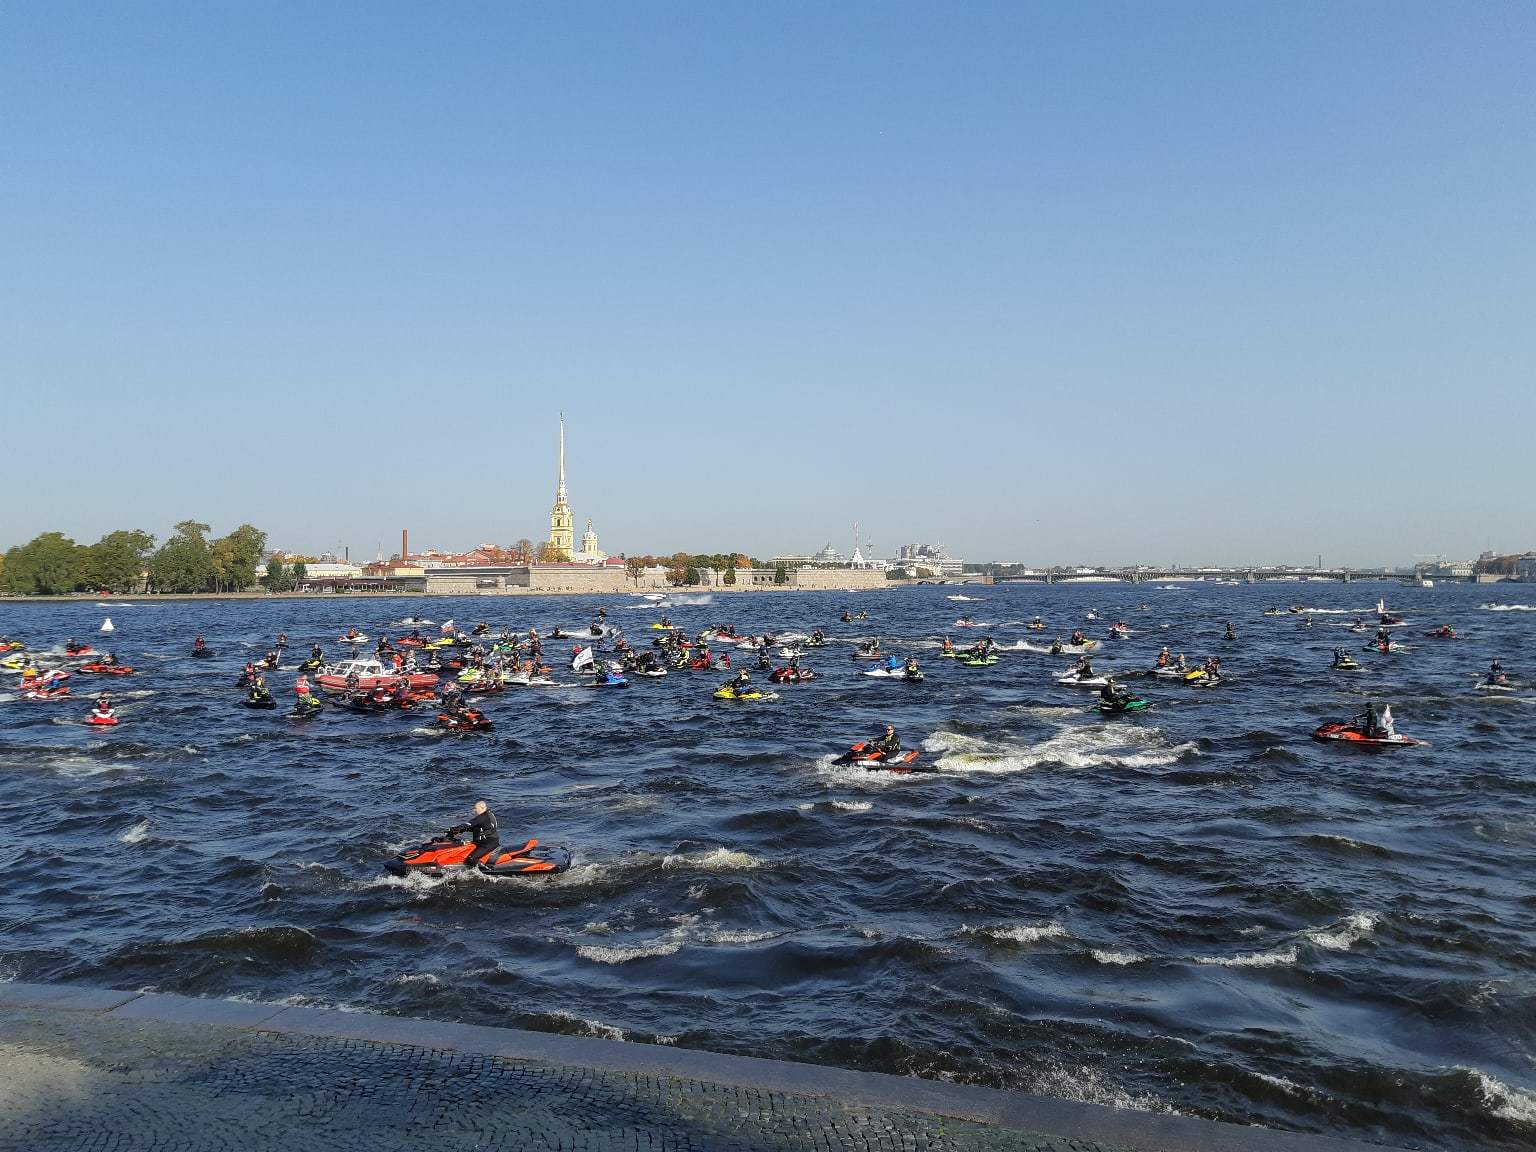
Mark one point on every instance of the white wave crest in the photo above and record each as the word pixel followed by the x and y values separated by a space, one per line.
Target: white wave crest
pixel 1089 1086
pixel 1339 937
pixel 1273 958
pixel 1507 1103
pixel 852 805
pixel 1508 607
pixel 1105 956
pixel 135 834
pixel 416 978
pixel 591 1027
pixel 1073 747
pixel 715 860
pixel 622 953
pixel 1017 933
pixel 733 936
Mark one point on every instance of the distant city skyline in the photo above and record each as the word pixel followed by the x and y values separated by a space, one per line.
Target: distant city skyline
pixel 1104 284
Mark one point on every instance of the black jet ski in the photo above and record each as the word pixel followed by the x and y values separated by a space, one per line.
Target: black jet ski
pixel 306 708
pixel 259 701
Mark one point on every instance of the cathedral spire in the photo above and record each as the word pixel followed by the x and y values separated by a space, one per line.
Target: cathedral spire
pixel 560 491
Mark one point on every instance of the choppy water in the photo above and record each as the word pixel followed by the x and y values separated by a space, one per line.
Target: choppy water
pixel 1196 910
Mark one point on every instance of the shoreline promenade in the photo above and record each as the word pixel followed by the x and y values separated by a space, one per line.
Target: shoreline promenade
pixel 89 1069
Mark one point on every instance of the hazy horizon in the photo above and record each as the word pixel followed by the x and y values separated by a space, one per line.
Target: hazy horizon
pixel 1127 283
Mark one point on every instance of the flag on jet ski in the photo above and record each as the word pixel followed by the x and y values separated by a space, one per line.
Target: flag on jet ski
pixel 582 659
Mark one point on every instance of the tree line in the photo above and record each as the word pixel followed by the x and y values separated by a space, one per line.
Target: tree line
pixel 128 561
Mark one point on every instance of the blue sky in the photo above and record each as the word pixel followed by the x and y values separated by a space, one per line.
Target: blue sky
pixel 1099 283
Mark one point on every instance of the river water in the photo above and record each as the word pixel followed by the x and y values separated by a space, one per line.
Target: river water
pixel 1195 910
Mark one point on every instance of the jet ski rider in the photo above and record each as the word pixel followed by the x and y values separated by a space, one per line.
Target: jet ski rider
pixel 741 683
pixel 482 830
pixel 888 745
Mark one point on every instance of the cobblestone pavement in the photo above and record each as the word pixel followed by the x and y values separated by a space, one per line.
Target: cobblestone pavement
pixel 84 1083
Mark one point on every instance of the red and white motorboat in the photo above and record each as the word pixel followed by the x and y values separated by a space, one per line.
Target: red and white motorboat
pixel 370 674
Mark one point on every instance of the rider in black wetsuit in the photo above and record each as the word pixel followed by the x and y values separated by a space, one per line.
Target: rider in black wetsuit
pixel 888 745
pixel 482 830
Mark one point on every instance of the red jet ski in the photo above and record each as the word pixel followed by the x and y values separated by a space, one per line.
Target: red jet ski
pixel 101 720
pixel 1349 732
pixel 791 675
pixel 106 669
pixel 445 856
pixel 56 692
pixel 469 720
pixel 79 650
pixel 1444 632
pixel 866 755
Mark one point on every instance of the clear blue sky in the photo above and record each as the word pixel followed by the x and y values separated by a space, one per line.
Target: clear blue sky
pixel 1052 282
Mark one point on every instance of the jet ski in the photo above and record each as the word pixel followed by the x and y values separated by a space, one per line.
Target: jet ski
pixel 1350 732
pixel 469 720
pixel 539 679
pixel 1444 632
pixel 971 661
pixel 792 675
pixel 313 664
pixel 1119 632
pixel 608 680
pixel 1074 680
pixel 1345 663
pixel 56 692
pixel 1494 686
pixel 897 673
pixel 813 642
pixel 259 701
pixel 12 646
pixel 107 719
pixel 866 755
pixel 445 855
pixel 753 693
pixel 652 673
pixel 1123 705
pixel 306 708
pixel 73 649
pixel 485 686
pixel 100 669
pixel 14 663
pixel 202 653
pixel 356 638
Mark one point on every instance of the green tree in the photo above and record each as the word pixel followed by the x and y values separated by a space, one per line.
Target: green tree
pixel 729 577
pixel 245 546
pixel 634 568
pixel 184 562
pixel 277 575
pixel 116 561
pixel 47 565
pixel 691 575
pixel 300 573
pixel 779 575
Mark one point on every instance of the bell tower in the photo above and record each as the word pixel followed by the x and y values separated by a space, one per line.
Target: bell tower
pixel 561 529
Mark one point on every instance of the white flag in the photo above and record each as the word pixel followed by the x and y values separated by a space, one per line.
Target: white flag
pixel 582 659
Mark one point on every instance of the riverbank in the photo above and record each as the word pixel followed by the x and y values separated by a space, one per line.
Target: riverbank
pixel 396 594
pixel 97 1068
